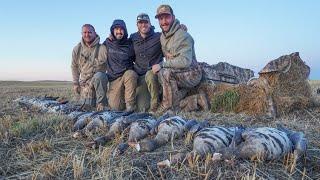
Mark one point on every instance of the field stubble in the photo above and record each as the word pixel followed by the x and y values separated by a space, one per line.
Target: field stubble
pixel 35 145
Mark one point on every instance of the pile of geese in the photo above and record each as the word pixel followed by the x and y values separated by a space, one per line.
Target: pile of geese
pixel 263 143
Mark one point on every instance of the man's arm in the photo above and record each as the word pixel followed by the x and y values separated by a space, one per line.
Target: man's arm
pixel 183 55
pixel 75 70
pixel 102 59
pixel 75 66
pixel 132 52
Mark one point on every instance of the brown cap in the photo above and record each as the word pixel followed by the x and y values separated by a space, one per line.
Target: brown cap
pixel 164 9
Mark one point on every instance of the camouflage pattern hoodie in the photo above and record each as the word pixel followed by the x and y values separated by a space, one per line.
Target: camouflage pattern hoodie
pixel 180 44
pixel 86 61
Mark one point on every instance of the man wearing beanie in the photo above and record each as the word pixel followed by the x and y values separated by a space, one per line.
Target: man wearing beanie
pixel 180 72
pixel 122 79
pixel 88 70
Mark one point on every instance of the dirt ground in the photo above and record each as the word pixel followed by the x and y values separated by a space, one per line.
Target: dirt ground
pixel 35 145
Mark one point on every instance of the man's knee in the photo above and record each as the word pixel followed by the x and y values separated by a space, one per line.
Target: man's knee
pixel 130 75
pixel 100 76
pixel 165 74
pixel 150 77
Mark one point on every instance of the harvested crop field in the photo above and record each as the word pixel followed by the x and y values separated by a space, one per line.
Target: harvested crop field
pixel 35 145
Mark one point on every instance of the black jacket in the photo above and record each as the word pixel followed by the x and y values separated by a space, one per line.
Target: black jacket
pixel 120 53
pixel 148 51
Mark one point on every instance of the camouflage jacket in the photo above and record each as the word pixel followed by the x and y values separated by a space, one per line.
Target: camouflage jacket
pixel 180 45
pixel 86 61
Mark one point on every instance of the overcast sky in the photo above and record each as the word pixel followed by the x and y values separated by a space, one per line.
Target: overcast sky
pixel 37 37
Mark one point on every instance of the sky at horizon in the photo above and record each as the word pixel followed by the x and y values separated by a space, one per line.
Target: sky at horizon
pixel 38 36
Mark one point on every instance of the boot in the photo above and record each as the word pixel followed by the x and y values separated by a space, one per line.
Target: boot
pixel 130 108
pixel 153 107
pixel 87 108
pixel 203 102
pixel 101 107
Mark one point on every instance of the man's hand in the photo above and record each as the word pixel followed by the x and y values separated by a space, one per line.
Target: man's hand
pixel 168 56
pixel 76 89
pixel 156 68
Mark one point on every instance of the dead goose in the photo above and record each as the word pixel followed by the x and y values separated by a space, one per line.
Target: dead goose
pixel 117 127
pixel 166 115
pixel 211 139
pixel 262 143
pixel 92 120
pixel 46 104
pixel 255 143
pixel 193 127
pixel 171 127
pixel 80 119
pixel 40 103
pixel 298 140
pixel 206 141
pixel 139 130
pixel 104 119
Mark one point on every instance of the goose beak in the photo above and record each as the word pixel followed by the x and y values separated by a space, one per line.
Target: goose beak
pixel 76 135
pixel 135 146
pixel 92 145
pixel 216 157
pixel 163 164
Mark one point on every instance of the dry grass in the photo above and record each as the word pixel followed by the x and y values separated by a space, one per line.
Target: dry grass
pixel 274 93
pixel 39 146
pixel 315 88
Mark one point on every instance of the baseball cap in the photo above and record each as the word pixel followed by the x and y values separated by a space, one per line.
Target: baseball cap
pixel 164 9
pixel 143 17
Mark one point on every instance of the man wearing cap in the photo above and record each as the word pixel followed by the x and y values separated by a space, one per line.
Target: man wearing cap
pixel 180 72
pixel 88 69
pixel 121 76
pixel 148 52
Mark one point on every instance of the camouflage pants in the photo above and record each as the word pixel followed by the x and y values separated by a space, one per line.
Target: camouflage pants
pixel 147 91
pixel 122 91
pixel 94 90
pixel 176 83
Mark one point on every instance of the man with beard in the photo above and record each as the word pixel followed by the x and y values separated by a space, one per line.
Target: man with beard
pixel 122 79
pixel 148 52
pixel 88 69
pixel 180 72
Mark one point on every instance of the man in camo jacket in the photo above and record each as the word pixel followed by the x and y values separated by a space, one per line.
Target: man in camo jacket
pixel 88 69
pixel 180 72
